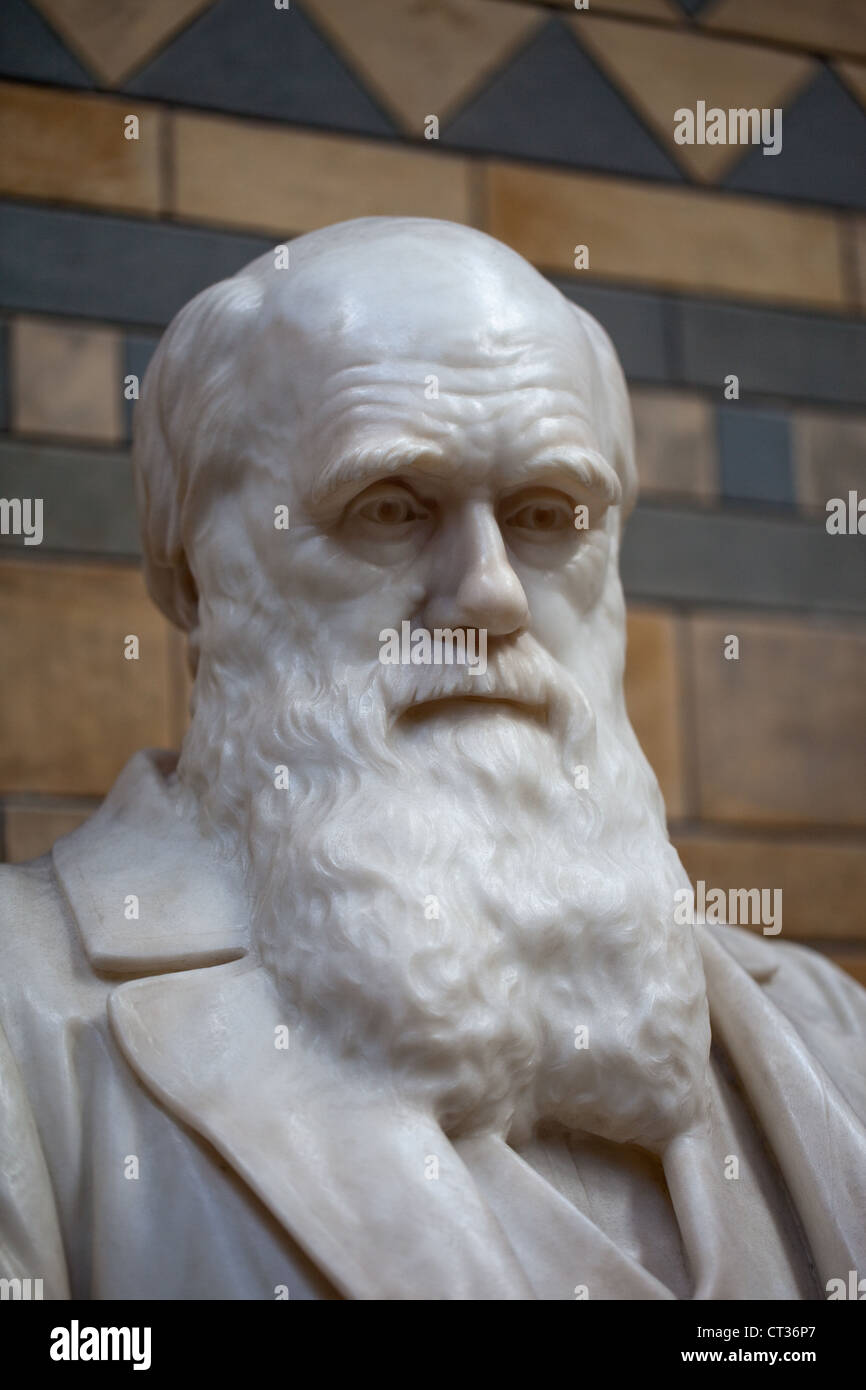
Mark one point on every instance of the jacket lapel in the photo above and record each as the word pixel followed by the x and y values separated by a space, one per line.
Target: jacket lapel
pixel 370 1187
pixel 817 1139
pixel 339 1158
pixel 342 1163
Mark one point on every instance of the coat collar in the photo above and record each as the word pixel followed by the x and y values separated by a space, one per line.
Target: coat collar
pixel 191 905
pixel 340 1159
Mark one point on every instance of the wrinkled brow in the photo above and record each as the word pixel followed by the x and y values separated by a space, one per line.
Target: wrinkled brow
pixel 587 470
pixel 364 465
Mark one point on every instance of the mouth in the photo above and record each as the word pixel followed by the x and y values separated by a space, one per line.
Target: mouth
pixel 466 706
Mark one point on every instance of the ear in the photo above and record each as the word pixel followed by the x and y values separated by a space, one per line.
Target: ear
pixel 174 591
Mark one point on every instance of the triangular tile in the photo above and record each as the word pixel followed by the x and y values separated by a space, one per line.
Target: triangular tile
pixel 661 72
pixel 822 26
pixel 854 77
pixel 424 57
pixel 552 103
pixel 114 37
pixel 667 11
pixel 260 61
pixel 823 155
pixel 29 48
pixel 693 7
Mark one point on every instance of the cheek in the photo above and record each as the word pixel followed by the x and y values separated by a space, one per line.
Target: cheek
pixel 353 599
pixel 585 575
pixel 561 598
pixel 552 619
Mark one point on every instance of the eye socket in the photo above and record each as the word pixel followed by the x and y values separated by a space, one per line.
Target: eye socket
pixel 542 513
pixel 389 506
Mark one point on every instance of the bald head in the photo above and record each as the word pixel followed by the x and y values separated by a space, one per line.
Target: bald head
pixel 375 332
pixel 401 286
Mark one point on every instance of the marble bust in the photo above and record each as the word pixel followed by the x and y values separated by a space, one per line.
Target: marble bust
pixel 377 990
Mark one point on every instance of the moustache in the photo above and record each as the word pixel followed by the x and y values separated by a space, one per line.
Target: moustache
pixel 520 673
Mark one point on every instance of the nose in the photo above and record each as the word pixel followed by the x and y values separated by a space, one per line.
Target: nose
pixel 474 584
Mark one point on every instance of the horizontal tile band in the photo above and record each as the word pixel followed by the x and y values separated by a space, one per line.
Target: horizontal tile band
pixel 672 554
pixel 685 340
pixel 140 273
pixel 703 557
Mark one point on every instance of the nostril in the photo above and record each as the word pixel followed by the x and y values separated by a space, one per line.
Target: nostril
pixel 497 603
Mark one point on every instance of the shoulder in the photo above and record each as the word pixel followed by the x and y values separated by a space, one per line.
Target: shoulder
pixel 824 1005
pixel 44 975
pixel 30 1238
pixel 30 896
pixel 800 981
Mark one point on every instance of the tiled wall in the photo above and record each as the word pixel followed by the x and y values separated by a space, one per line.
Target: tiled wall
pixel 555 130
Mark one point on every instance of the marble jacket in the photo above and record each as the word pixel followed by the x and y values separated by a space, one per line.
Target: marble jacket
pixel 154 1143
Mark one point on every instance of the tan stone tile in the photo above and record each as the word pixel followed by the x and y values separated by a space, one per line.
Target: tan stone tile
pixel 852 962
pixel 71 147
pixel 422 60
pixel 672 238
pixel 823 883
pixel 66 380
pixel 30 831
pixel 854 77
pixel 832 26
pixel 675 443
pixel 829 456
pixel 113 37
pixel 661 71
pixel 653 698
pixel 781 733
pixel 74 709
pixel 242 174
pixel 858 232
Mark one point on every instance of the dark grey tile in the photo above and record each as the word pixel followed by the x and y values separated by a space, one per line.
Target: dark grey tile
pixel 773 352
pixel 259 61
pixel 551 102
pixel 113 268
pixel 635 321
pixel 707 557
pixel 137 352
pixel 755 455
pixel 823 154
pixel 29 47
pixel 88 502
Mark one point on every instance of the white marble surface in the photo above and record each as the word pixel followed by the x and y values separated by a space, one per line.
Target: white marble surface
pixel 378 992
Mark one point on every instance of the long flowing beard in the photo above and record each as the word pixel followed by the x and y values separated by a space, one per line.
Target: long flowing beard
pixel 435 896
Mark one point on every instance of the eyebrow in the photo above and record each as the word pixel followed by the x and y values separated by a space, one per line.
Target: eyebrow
pixel 367 464
pixel 587 470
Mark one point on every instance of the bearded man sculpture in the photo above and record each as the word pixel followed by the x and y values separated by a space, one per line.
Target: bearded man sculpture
pixel 379 990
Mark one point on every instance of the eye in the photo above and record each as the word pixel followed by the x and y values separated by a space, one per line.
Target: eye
pixel 388 507
pixel 544 513
pixel 391 510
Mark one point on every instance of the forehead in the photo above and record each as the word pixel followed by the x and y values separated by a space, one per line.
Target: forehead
pixel 482 401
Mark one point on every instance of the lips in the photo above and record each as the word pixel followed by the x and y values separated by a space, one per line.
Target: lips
pixel 456 702
pixel 519 678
